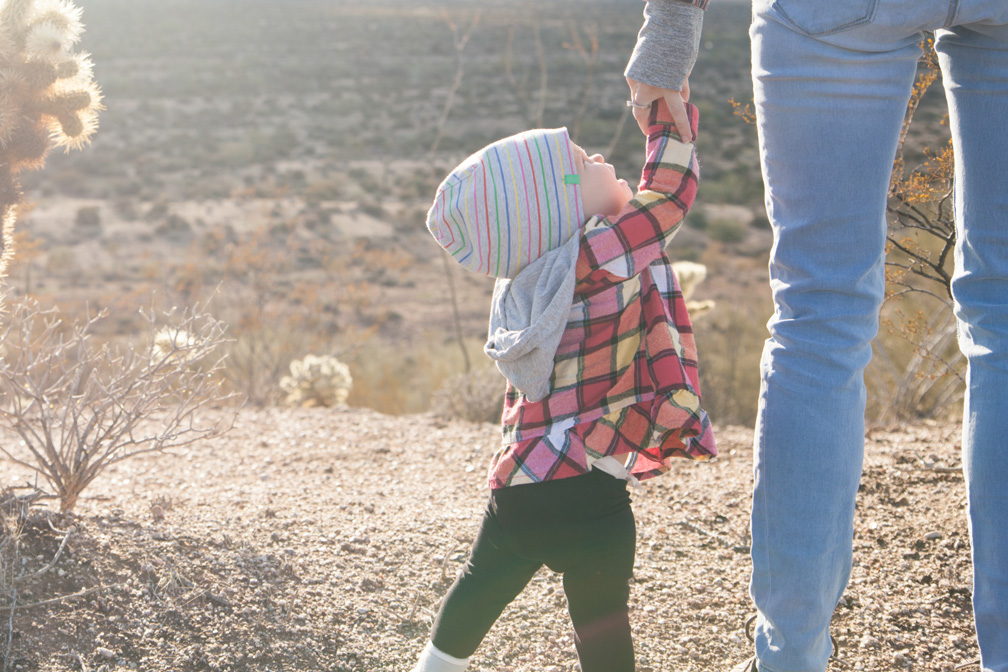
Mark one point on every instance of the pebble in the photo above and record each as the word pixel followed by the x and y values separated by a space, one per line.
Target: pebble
pixel 869 642
pixel 107 654
pixel 932 536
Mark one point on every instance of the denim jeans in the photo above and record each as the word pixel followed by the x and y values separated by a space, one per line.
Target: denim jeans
pixel 831 80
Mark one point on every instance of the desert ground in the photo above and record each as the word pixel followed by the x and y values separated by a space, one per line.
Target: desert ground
pixel 323 539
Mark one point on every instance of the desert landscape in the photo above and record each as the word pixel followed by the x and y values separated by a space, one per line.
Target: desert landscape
pixel 272 163
pixel 323 539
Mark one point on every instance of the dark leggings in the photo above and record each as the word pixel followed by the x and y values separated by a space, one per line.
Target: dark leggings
pixel 582 527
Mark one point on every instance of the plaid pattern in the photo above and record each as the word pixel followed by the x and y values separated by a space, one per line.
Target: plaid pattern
pixel 625 378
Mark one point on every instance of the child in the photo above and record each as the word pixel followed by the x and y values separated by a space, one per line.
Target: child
pixel 589 326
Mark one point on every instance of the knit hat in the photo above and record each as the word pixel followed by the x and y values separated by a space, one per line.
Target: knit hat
pixel 509 203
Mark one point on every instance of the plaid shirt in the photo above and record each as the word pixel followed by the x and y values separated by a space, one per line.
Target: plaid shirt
pixel 624 380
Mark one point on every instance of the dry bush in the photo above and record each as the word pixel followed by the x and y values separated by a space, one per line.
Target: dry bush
pixel 79 406
pixel 729 346
pixel 476 396
pixel 923 366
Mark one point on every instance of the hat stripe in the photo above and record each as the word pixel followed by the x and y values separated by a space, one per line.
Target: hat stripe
pixel 493 181
pixel 556 193
pixel 439 215
pixel 579 204
pixel 486 215
pixel 514 181
pixel 559 153
pixel 545 186
pixel 507 207
pixel 477 244
pixel 464 245
pixel 538 210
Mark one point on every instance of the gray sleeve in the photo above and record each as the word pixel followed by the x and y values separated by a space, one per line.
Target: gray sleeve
pixel 667 44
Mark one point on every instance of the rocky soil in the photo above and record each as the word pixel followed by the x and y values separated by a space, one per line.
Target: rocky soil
pixel 323 539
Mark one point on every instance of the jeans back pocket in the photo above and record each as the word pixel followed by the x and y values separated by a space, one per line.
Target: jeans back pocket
pixel 825 17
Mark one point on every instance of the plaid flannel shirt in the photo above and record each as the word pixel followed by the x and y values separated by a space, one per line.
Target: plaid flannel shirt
pixel 624 381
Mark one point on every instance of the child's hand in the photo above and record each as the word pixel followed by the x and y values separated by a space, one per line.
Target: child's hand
pixel 645 94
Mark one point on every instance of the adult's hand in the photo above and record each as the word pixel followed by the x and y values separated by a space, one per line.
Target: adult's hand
pixel 645 94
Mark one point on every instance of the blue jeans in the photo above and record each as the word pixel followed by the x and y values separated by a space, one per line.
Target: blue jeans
pixel 832 79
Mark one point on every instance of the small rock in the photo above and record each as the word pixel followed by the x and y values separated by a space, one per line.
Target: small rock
pixel 106 654
pixel 932 536
pixel 869 642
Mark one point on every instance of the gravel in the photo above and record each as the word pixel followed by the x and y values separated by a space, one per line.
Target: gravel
pixel 323 539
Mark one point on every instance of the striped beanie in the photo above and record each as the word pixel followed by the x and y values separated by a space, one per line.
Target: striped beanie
pixel 509 203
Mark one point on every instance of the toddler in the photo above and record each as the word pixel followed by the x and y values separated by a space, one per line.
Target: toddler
pixel 589 326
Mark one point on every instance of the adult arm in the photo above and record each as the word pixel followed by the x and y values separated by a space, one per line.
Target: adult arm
pixel 666 49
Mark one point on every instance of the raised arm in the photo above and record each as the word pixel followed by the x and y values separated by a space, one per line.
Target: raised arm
pixel 626 244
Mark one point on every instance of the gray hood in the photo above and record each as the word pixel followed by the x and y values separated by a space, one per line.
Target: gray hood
pixel 528 314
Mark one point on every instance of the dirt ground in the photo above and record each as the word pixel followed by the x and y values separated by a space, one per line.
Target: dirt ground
pixel 323 539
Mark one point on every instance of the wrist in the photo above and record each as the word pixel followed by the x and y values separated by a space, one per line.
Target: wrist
pixel 660 119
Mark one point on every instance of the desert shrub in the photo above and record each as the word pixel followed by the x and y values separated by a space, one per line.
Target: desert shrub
pixel 317 380
pixel 476 396
pixel 729 346
pixel 372 209
pixel 88 217
pixel 727 230
pixel 697 219
pixel 62 259
pixel 395 380
pixel 324 190
pixel 174 227
pixel 927 374
pixel 79 406
pixel 917 370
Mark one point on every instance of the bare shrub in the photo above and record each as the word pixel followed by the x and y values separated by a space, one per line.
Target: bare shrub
pixel 476 396
pixel 79 406
pixel 928 376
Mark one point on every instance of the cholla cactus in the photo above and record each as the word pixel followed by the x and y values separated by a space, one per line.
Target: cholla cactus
pixel 171 343
pixel 317 380
pixel 48 96
pixel 691 274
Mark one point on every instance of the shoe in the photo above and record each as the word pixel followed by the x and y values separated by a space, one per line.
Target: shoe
pixel 747 666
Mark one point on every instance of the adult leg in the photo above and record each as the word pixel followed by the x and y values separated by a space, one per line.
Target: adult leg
pixel 490 580
pixel 829 113
pixel 974 61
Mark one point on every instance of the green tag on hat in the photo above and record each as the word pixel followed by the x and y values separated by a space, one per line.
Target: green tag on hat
pixel 572 179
